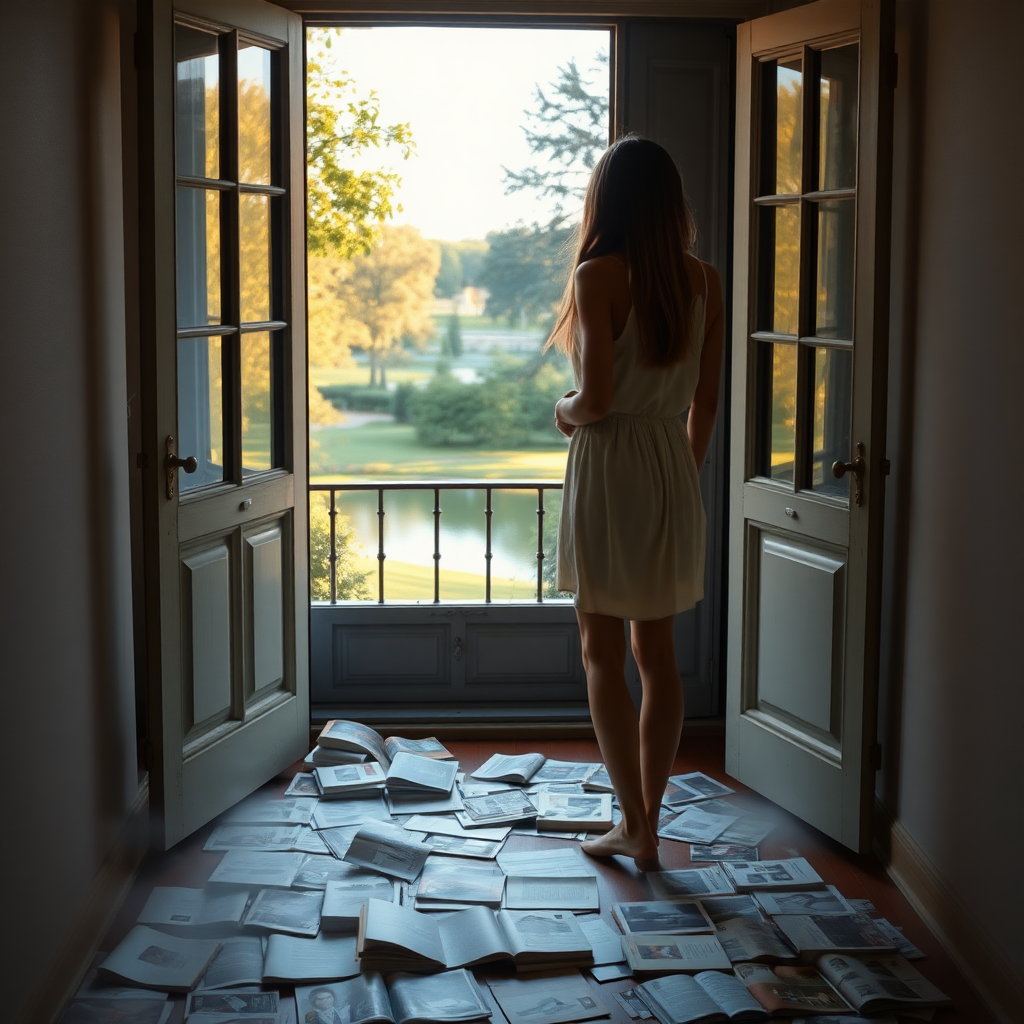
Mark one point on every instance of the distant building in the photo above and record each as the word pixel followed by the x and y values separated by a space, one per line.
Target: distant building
pixel 468 302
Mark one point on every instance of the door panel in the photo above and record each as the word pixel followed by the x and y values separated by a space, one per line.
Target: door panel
pixel 813 118
pixel 223 206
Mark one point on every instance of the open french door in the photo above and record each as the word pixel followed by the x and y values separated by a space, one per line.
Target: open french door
pixel 810 321
pixel 224 365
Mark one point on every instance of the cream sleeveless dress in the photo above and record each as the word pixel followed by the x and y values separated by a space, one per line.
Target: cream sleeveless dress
pixel 631 525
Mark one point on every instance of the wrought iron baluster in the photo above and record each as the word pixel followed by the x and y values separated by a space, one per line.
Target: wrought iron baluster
pixel 380 545
pixel 437 545
pixel 332 558
pixel 540 545
pixel 488 512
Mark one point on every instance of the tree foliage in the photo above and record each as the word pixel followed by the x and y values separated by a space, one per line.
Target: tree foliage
pixel 352 584
pixel 568 129
pixel 345 208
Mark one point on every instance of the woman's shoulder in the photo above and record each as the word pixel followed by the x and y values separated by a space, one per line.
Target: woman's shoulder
pixel 602 269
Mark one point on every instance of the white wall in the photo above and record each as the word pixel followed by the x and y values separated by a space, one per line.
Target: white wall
pixel 69 764
pixel 953 661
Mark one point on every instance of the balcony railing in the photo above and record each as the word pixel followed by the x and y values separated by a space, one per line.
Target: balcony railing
pixel 437 486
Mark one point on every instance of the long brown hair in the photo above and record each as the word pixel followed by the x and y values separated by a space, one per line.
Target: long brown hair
pixel 634 206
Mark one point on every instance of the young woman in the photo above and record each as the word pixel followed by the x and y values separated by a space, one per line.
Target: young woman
pixel 642 321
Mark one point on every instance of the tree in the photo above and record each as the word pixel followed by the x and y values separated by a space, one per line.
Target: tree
pixel 449 276
pixel 351 583
pixel 524 270
pixel 453 337
pixel 389 290
pixel 568 127
pixel 344 208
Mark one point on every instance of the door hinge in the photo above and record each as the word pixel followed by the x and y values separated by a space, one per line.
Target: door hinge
pixel 875 755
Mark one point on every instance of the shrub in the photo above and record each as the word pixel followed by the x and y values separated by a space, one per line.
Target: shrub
pixel 352 584
pixel 401 407
pixel 358 398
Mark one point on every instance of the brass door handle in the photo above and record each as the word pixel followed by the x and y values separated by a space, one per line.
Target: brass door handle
pixel 840 469
pixel 172 464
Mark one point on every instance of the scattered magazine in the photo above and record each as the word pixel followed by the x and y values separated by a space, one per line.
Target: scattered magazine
pixel 663 917
pixel 259 810
pixel 193 911
pixel 604 940
pixel 290 958
pixel 357 738
pixel 350 779
pixel 294 911
pixel 552 771
pixel 258 868
pixel 450 827
pixel 416 774
pixel 563 862
pixel 155 959
pixel 748 831
pixel 631 1002
pixel 611 972
pixel 750 940
pixel 496 809
pixel 425 801
pixel 704 784
pixel 707 996
pixel 886 982
pixel 526 892
pixel 277 839
pixel 722 908
pixel 810 901
pixel 792 873
pixel 571 812
pixel 509 767
pixel 550 998
pixel 457 846
pixel 701 853
pixel 319 869
pixel 663 954
pixel 325 755
pixel 676 795
pixel 431 746
pixel 709 881
pixel 389 849
pixel 241 1003
pixel 790 990
pixel 344 900
pixel 303 784
pixel 814 935
pixel 403 999
pixel 598 781
pixel 338 840
pixel 337 813
pixel 904 946
pixel 452 880
pixel 239 962
pixel 694 825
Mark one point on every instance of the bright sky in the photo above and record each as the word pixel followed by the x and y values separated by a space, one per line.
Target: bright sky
pixel 464 92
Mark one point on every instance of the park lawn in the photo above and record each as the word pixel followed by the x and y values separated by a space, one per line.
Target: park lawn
pixel 359 373
pixel 404 581
pixel 390 451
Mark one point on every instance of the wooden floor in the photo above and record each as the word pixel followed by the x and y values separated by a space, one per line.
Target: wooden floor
pixel 855 877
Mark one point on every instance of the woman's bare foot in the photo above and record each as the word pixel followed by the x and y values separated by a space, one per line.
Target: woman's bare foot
pixel 643 849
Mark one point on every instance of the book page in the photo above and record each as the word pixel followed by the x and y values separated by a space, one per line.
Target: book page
pixel 750 938
pixel 535 893
pixel 389 849
pixel 809 901
pixel 604 940
pixel 291 958
pixel 543 931
pixel 471 935
pixel 517 766
pixel 566 862
pixel 346 735
pixel 886 979
pixel 678 999
pixel 842 932
pixel 158 960
pixel 548 998
pixel 257 868
pixel 448 827
pixel 448 996
pixel 790 989
pixel 431 746
pixel 709 881
pixel 239 962
pixel 174 906
pixel 662 953
pixel 563 771
pixel 727 991
pixel 392 925
pixel 422 772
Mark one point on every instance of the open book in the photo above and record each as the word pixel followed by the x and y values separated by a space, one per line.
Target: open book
pixel 880 982
pixel 340 734
pixel 402 999
pixel 662 954
pixel 523 768
pixel 783 991
pixel 816 934
pixel 709 996
pixel 194 912
pixel 154 959
pixel 393 937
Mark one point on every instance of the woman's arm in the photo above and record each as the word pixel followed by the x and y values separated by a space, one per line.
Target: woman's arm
pixel 701 419
pixel 593 288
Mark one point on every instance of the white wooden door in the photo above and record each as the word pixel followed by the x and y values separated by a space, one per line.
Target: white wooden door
pixel 810 314
pixel 224 364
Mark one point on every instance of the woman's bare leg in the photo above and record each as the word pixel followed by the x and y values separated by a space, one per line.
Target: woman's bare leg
pixel 618 735
pixel 661 711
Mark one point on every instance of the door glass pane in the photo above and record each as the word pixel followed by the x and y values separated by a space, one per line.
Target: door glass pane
pixel 779 284
pixel 782 121
pixel 200 410
pixel 196 103
pixel 833 374
pixel 254 97
pixel 837 157
pixel 198 257
pixel 833 315
pixel 776 369
pixel 261 390
pixel 254 257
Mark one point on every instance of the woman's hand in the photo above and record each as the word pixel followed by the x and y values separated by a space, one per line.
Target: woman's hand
pixel 563 426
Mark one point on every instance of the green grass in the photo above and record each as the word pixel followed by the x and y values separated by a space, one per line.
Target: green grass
pixel 390 451
pixel 404 581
